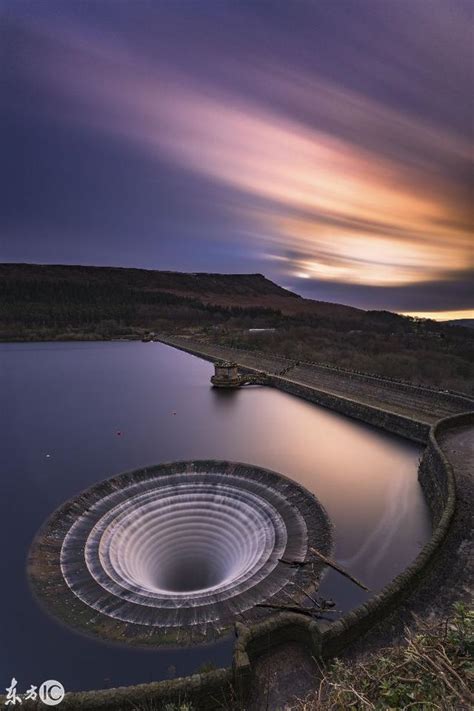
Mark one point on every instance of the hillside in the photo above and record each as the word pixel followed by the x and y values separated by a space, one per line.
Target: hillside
pixel 62 302
pixel 38 282
pixel 465 322
pixel 247 285
pixel 52 297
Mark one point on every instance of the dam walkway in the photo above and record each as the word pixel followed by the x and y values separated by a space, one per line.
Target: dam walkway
pixel 425 405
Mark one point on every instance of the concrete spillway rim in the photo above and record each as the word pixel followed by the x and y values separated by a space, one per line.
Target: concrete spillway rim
pixel 78 607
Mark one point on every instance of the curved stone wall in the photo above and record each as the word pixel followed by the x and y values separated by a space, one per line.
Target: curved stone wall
pixel 326 640
pixel 389 421
pixel 438 482
pixel 274 364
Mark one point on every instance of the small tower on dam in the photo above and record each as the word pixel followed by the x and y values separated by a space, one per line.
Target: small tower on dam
pixel 226 375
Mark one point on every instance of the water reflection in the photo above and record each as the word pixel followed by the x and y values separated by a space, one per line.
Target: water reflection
pixel 224 399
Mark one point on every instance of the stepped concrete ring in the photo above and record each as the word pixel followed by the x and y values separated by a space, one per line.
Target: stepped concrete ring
pixel 177 553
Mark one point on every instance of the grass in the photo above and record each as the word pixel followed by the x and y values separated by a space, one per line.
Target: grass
pixel 432 669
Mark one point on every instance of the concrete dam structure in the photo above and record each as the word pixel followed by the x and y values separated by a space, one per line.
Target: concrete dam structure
pixel 227 375
pixel 175 553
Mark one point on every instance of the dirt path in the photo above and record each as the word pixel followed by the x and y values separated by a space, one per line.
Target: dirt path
pixel 281 676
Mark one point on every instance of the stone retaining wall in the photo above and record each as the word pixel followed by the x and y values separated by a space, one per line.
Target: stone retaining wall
pixel 326 639
pixel 389 421
pixel 431 401
pixel 461 401
pixel 437 487
pixel 212 691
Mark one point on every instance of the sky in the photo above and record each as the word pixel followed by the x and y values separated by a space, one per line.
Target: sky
pixel 324 143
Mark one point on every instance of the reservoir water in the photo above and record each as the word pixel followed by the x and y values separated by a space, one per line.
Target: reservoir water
pixel 75 413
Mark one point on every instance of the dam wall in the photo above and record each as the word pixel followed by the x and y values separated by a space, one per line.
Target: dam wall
pixel 274 364
pixel 397 407
pixel 438 488
pixel 437 480
pixel 212 691
pixel 389 421
pixel 328 639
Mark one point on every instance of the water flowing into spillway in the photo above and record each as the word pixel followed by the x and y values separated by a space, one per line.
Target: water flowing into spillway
pixel 175 552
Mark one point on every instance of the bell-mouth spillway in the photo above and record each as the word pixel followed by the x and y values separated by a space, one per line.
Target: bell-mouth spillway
pixel 177 553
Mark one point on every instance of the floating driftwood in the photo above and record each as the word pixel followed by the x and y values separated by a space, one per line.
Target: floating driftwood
pixel 328 561
pixel 310 597
pixel 295 563
pixel 296 608
pixel 339 569
pixel 287 608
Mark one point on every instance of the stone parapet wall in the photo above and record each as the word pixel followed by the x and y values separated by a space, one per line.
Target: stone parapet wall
pixel 212 691
pixel 389 421
pixel 439 488
pixel 327 639
pixel 275 363
pixel 419 403
pixel 445 396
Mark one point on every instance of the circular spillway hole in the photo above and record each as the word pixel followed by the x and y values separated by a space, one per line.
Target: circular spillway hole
pixel 174 553
pixel 190 541
pixel 195 572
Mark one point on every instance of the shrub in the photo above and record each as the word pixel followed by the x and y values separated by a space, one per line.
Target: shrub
pixel 432 669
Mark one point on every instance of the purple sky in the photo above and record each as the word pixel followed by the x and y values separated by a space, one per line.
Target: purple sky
pixel 325 144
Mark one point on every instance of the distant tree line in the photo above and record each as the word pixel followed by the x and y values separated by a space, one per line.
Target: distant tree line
pixel 44 303
pixel 32 303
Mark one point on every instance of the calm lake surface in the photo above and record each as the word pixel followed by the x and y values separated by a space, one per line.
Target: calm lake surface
pixel 62 405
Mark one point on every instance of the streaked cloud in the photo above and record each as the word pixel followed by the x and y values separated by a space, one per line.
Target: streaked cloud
pixel 332 184
pixel 442 315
